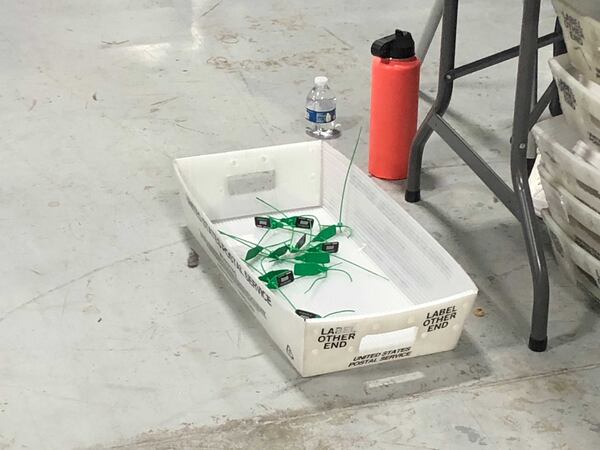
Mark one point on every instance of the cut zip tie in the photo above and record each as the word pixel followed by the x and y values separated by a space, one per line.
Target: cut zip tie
pixel 359 266
pixel 338 312
pixel 346 179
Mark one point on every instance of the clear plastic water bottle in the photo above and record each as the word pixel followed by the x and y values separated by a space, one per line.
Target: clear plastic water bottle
pixel 320 111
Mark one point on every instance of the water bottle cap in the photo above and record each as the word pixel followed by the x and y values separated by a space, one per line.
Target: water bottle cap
pixel 321 81
pixel 399 45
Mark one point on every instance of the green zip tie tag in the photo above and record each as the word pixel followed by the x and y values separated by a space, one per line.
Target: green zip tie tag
pixel 308 269
pixel 304 222
pixel 327 247
pixel 298 222
pixel 279 252
pixel 326 233
pixel 307 314
pixel 299 244
pixel 289 221
pixel 314 257
pixel 253 253
pixel 284 278
pixel 330 247
pixel 276 223
pixel 277 278
pixel 269 222
pixel 262 222
pixel 272 274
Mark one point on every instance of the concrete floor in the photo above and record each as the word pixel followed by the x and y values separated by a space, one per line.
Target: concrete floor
pixel 108 340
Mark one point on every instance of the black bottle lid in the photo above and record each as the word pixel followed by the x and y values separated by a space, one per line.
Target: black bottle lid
pixel 399 45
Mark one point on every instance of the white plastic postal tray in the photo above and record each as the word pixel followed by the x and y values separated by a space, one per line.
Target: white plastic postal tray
pixel 579 99
pixel 419 309
pixel 580 22
pixel 555 140
pixel 579 266
pixel 580 222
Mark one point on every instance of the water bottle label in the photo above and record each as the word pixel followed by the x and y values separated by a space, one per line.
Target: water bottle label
pixel 320 116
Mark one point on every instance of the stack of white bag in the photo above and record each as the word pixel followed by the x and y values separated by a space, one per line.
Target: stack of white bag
pixel 570 147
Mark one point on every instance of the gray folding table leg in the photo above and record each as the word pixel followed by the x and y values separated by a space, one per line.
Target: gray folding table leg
pixel 558 48
pixel 531 146
pixel 518 161
pixel 442 100
pixel 518 199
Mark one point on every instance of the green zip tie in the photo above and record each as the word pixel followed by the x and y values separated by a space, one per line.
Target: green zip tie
pixel 314 257
pixel 343 271
pixel 271 206
pixel 309 269
pixel 315 282
pixel 278 253
pixel 359 266
pixel 288 300
pixel 325 234
pixel 263 236
pixel 347 175
pixel 338 312
pixel 277 210
pixel 253 252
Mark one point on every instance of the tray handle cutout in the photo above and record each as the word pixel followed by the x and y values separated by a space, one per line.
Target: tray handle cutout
pixel 247 183
pixel 385 341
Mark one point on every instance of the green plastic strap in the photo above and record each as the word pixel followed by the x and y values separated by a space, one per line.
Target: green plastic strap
pixel 279 252
pixel 314 257
pixel 272 274
pixel 326 233
pixel 253 252
pixel 308 269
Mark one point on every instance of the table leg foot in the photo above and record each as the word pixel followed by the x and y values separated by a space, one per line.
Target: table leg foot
pixel 412 196
pixel 537 345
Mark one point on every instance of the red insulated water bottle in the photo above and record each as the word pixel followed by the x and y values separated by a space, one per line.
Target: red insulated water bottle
pixel 394 105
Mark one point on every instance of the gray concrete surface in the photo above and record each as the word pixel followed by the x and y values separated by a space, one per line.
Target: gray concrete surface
pixel 107 339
